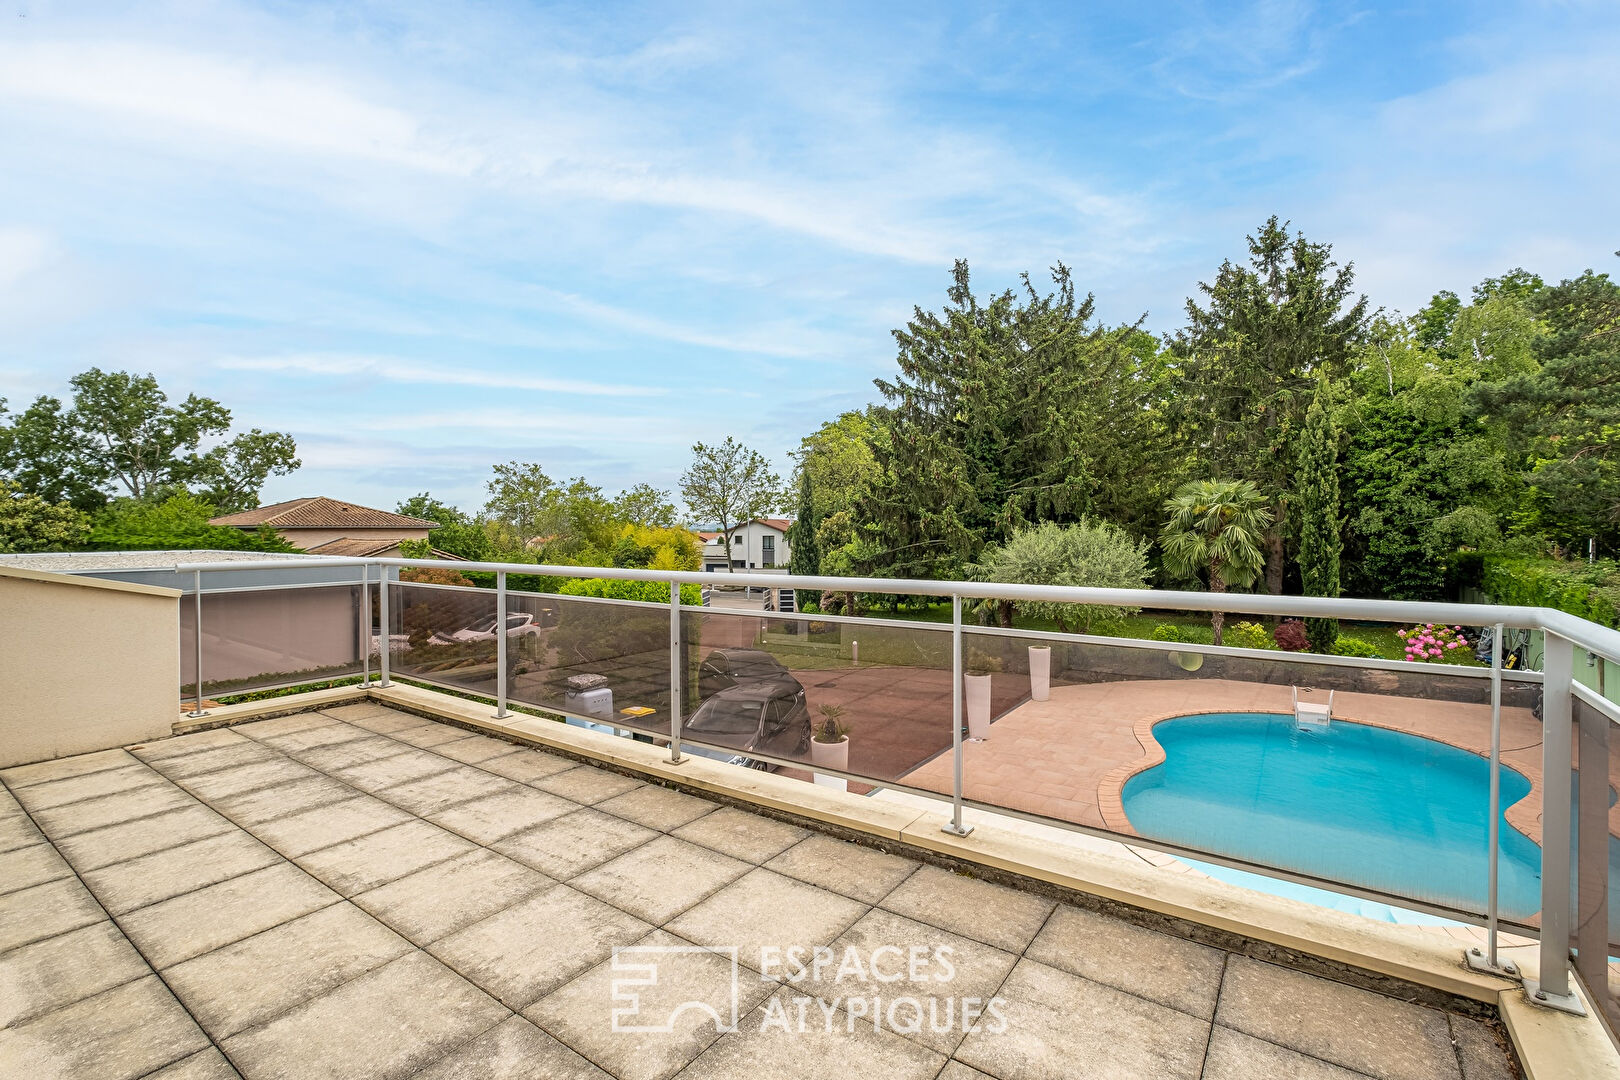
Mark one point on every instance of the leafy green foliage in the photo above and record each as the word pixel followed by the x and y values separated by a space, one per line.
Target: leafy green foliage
pixel 730 485
pixel 178 522
pixel 651 592
pixel 29 523
pixel 1248 635
pixel 1351 646
pixel 1591 591
pixel 1319 540
pixel 1085 554
pixel 1215 528
pixel 804 558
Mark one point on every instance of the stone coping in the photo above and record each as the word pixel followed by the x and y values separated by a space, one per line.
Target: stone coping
pixel 1392 959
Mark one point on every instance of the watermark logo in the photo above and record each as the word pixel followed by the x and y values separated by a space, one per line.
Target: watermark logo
pixel 642 970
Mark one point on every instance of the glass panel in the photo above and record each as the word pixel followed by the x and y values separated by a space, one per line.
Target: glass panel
pixel 1388 791
pixel 763 683
pixel 271 637
pixel 443 634
pixel 603 660
pixel 1603 848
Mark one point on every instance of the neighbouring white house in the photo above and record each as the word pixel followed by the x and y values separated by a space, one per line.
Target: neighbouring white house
pixel 755 545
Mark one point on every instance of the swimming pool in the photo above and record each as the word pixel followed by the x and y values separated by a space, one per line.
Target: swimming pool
pixel 1349 803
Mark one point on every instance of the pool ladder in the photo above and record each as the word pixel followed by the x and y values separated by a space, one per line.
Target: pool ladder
pixel 1310 714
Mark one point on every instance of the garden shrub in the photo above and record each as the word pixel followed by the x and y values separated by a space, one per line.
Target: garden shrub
pixel 1349 646
pixel 1247 635
pixel 652 592
pixel 1290 636
pixel 1588 590
pixel 1166 632
pixel 1433 643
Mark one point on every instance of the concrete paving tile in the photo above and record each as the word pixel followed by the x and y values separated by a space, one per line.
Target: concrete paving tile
pixel 128 1031
pixel 495 817
pixel 381 721
pixel 391 1022
pixel 60 970
pixel 661 878
pixel 582 1012
pixel 476 749
pixel 359 865
pixel 357 711
pixel 74 818
pixel 1482 1054
pixel 1355 1028
pixel 762 909
pixel 181 745
pixel 250 808
pixel 770 1044
pixel 23 868
pixel 432 734
pixel 125 886
pixel 176 930
pixel 512 1050
pixel 331 733
pixel 283 725
pixel 1169 970
pixel 993 914
pixel 527 766
pixel 574 843
pixel 1059 1026
pixel 18 831
pixel 30 915
pixel 246 778
pixel 462 783
pixel 329 759
pixel 240 986
pixel 742 835
pixel 955 1070
pixel 210 1064
pixel 229 756
pixel 587 784
pixel 439 900
pixel 117 843
pixel 538 944
pixel 37 797
pixel 657 807
pixel 373 776
pixel 41 772
pixel 1236 1056
pixel 310 830
pixel 862 873
pixel 874 957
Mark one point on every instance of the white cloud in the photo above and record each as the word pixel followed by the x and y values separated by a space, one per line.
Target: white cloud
pixel 327 365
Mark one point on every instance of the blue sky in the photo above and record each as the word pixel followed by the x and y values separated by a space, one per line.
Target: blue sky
pixel 425 237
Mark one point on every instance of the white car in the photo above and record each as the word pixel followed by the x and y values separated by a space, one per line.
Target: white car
pixel 518 624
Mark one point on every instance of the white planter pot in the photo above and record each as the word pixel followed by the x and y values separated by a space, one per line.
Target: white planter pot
pixel 978 706
pixel 1040 672
pixel 825 755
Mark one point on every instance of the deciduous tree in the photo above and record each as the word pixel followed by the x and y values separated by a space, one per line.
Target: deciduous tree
pixel 730 485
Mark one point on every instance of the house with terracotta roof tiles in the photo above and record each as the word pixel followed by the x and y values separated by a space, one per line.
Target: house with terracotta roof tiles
pixel 323 526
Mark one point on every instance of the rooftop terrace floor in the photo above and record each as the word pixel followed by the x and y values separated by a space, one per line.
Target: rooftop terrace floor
pixel 363 893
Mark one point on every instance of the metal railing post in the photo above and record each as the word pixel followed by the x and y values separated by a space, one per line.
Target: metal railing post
pixel 196 636
pixel 1489 961
pixel 1592 847
pixel 1558 671
pixel 675 673
pixel 500 645
pixel 955 826
pixel 365 625
pixel 386 630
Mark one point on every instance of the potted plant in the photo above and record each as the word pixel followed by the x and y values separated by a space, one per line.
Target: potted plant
pixel 1040 672
pixel 829 741
pixel 976 684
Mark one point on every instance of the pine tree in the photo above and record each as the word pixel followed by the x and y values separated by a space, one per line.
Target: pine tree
pixel 1318 493
pixel 804 557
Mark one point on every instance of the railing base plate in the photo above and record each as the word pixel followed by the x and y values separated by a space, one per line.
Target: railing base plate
pixel 954 829
pixel 1477 961
pixel 1567 1003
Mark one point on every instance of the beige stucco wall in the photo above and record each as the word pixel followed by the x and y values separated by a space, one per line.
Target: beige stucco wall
pixel 308 538
pixel 84 664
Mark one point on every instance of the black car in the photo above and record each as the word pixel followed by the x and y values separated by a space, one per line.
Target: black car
pixel 762 711
pixel 724 668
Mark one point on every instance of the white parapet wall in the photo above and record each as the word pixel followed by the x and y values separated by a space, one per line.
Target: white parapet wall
pixel 85 664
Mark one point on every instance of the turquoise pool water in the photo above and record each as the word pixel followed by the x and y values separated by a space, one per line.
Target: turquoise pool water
pixel 1351 803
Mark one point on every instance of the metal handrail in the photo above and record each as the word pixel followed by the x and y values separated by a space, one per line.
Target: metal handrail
pixel 1563 633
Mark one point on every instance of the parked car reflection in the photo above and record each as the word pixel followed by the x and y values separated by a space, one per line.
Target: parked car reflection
pixel 751 705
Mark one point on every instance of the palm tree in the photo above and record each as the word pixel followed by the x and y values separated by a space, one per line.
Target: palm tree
pixel 1216 527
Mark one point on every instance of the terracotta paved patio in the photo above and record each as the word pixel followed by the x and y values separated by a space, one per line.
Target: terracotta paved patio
pixel 362 893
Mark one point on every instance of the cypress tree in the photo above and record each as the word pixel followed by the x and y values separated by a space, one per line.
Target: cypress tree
pixel 1319 539
pixel 804 557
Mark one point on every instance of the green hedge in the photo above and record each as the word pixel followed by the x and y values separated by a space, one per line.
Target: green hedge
pixel 1591 591
pixel 652 592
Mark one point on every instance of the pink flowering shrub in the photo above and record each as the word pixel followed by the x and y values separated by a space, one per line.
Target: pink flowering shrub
pixel 1433 643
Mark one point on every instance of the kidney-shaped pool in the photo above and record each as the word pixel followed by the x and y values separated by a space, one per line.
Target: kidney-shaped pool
pixel 1349 803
